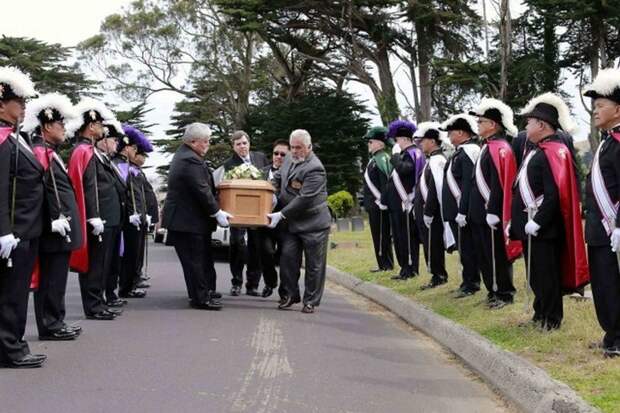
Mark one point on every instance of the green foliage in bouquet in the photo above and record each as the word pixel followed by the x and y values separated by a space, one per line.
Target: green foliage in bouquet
pixel 244 171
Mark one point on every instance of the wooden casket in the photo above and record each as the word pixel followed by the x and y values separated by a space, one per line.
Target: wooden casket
pixel 249 201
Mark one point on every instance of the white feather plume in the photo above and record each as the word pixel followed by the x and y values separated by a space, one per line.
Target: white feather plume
pixel 117 125
pixel 425 127
pixel 19 81
pixel 52 101
pixel 504 110
pixel 471 121
pixel 86 105
pixel 566 123
pixel 605 82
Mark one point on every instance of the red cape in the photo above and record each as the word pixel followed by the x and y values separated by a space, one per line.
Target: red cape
pixel 575 272
pixel 78 162
pixel 616 136
pixel 506 166
pixel 4 133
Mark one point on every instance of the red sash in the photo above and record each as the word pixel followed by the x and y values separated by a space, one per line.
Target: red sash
pixel 4 134
pixel 506 166
pixel 575 272
pixel 78 162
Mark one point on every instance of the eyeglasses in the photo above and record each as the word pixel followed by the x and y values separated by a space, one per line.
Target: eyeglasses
pixel 276 153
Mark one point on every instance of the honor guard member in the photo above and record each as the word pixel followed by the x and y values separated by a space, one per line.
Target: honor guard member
pixel 271 238
pixel 602 218
pixel 376 178
pixel 301 190
pixel 190 214
pixel 490 201
pixel 458 180
pixel 135 222
pixel 398 197
pixel 45 118
pixel 427 204
pixel 21 204
pixel 108 146
pixel 99 205
pixel 244 243
pixel 546 211
pixel 152 213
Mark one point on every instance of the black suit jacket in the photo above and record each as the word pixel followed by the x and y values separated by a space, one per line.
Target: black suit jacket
pixel 405 167
pixel 462 169
pixel 191 200
pixel 28 222
pixel 258 159
pixel 477 208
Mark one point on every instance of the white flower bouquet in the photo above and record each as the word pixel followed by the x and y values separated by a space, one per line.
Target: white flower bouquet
pixel 244 171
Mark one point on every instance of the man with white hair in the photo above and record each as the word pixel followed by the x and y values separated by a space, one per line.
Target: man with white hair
pixel 301 189
pixel 190 214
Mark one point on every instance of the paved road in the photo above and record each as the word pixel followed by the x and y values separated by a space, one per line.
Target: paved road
pixel 162 356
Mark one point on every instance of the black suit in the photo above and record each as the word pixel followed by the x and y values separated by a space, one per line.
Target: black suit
pixel 152 210
pixel 188 208
pixel 604 271
pixel 462 169
pixel 406 236
pixel 546 248
pixel 55 250
pixel 27 226
pixel 241 253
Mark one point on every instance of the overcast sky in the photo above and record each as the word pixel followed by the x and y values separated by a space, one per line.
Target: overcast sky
pixel 70 21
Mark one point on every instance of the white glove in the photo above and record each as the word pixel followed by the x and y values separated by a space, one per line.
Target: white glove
pixel 461 220
pixel 149 219
pixel 531 228
pixel 380 205
pixel 492 221
pixel 427 221
pixel 222 218
pixel 135 220
pixel 615 240
pixel 7 245
pixel 61 226
pixel 97 224
pixel 274 219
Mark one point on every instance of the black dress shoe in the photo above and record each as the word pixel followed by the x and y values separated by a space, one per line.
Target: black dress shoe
pixel 210 304
pixel 308 309
pixel 215 294
pixel 282 300
pixel 267 291
pixel 464 293
pixel 116 303
pixel 435 282
pixel 115 311
pixel 252 291
pixel 29 361
pixel 60 335
pixel 135 293
pixel 612 352
pixel 75 328
pixel 103 315
pixel 377 270
pixel 289 302
pixel 143 284
pixel 235 291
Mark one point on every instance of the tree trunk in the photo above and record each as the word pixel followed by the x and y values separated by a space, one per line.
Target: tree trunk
pixel 424 70
pixel 597 40
pixel 505 30
pixel 388 107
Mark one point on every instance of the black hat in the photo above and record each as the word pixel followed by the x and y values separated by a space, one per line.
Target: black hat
pixel 89 110
pixel 498 112
pixel 463 122
pixel 429 130
pixel 377 133
pixel 550 108
pixel 14 84
pixel 605 85
pixel 401 129
pixel 49 108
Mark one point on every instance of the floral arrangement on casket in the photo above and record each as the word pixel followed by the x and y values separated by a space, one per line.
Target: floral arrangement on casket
pixel 244 171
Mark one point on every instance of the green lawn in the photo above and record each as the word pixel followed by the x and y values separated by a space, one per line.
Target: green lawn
pixel 564 353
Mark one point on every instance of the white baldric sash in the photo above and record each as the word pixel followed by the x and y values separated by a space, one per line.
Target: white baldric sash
pixel 406 199
pixel 59 161
pixel 23 143
pixel 453 186
pixel 481 183
pixel 608 208
pixel 423 184
pixel 527 195
pixel 375 191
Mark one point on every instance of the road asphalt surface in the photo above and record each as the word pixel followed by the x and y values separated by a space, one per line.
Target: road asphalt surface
pixel 163 356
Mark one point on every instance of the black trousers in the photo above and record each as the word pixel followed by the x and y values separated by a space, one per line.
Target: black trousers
pixel 379 222
pixel 113 276
pixel 14 291
pixel 92 283
pixel 242 253
pixel 270 246
pixel 194 252
pixel 469 261
pixel 141 253
pixel 313 247
pixel 406 242
pixel 503 268
pixel 437 250
pixel 49 299
pixel 605 279
pixel 133 242
pixel 546 278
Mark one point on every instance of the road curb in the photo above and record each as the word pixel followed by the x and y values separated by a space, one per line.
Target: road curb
pixel 528 387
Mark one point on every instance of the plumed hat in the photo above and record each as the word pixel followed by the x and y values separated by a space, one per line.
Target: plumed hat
pixel 89 110
pixel 401 128
pixel 550 108
pixel 137 137
pixel 378 133
pixel 461 121
pixel 15 84
pixel 605 85
pixel 49 108
pixel 497 111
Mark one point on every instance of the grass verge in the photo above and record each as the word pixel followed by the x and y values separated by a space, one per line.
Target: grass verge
pixel 564 353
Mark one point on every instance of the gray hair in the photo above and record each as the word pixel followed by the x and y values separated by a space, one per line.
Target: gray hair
pixel 196 130
pixel 302 134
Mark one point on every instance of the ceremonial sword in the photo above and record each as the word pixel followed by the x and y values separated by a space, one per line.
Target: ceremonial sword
pixel 528 276
pixel 18 126
pixel 99 238
pixel 50 160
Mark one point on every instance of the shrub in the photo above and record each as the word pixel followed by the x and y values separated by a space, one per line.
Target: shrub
pixel 341 203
